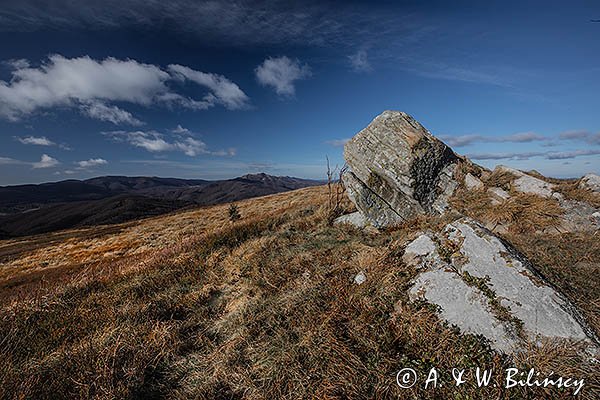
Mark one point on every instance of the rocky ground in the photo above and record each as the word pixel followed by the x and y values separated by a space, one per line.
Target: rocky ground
pixel 399 170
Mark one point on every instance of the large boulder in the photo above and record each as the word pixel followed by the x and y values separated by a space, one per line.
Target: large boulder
pixel 398 170
pixel 485 287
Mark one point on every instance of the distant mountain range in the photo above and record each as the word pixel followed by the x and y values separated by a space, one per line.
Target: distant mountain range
pixel 33 209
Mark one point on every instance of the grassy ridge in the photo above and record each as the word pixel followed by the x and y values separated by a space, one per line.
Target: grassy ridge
pixel 262 308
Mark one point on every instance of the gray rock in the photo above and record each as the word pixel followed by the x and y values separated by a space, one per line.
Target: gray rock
pixel 578 216
pixel 482 261
pixel 498 195
pixel 591 182
pixel 464 306
pixel 473 183
pixel 375 209
pixel 528 184
pixel 419 249
pixel 356 219
pixel 360 278
pixel 398 170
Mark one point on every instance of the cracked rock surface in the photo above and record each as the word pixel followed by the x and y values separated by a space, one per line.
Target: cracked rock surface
pixel 398 170
pixel 486 287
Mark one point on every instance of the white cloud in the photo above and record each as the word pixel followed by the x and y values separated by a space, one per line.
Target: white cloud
pixel 156 142
pixel 180 130
pixel 359 61
pixel 223 91
pixel 465 140
pixel 238 23
pixel 549 155
pixel 281 73
pixel 39 141
pixel 92 162
pixel 114 114
pixel 9 161
pixel 338 142
pixel 91 85
pixel 191 147
pixel 585 136
pixel 17 63
pixel 45 162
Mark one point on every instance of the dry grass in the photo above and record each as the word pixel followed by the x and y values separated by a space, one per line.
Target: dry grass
pixel 522 213
pixel 569 260
pixel 261 308
pixel 525 213
pixel 571 190
pixel 501 179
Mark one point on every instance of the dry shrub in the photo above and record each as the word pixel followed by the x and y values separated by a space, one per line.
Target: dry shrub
pixel 501 179
pixel 464 167
pixel 336 194
pixel 473 203
pixel 525 213
pixel 521 213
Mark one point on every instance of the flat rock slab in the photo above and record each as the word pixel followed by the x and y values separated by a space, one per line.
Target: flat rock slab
pixel 486 287
pixel 525 183
pixel 398 170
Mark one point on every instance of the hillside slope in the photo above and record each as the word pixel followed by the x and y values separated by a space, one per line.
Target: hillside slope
pixel 190 305
pixel 35 209
pixel 111 210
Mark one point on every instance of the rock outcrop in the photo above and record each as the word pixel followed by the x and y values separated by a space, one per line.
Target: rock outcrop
pixel 525 183
pixel 486 287
pixel 590 182
pixel 398 170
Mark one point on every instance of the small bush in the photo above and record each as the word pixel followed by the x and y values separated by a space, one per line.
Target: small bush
pixel 335 193
pixel 234 213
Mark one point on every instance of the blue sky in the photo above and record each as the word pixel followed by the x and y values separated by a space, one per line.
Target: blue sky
pixel 218 89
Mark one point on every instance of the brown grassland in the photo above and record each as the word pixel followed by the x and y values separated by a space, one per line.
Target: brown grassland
pixel 191 305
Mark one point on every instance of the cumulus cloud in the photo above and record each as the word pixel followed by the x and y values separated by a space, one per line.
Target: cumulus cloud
pixel 280 73
pixel 92 162
pixel 91 85
pixel 359 61
pixel 114 114
pixel 157 142
pixel 38 141
pixel 180 130
pixel 465 140
pixel 223 91
pixel 45 162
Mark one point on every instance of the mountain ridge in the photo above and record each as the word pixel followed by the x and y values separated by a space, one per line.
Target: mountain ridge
pixel 46 207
